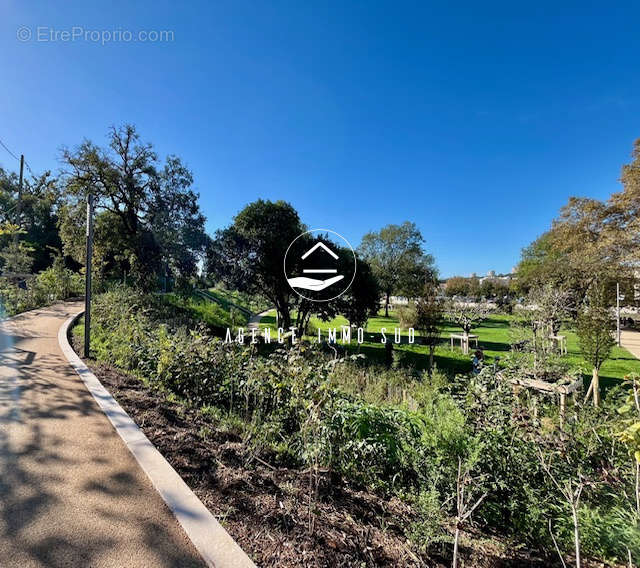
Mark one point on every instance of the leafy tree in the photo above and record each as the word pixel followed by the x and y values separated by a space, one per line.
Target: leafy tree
pixel 595 334
pixel 533 354
pixel 429 318
pixel 7 228
pixel 160 226
pixel 474 287
pixel 17 257
pixel 549 306
pixel 457 286
pixel 624 212
pixel 467 315
pixel 248 255
pixel 582 245
pixel 34 218
pixel 540 264
pixel 362 299
pixel 398 260
pixel 494 288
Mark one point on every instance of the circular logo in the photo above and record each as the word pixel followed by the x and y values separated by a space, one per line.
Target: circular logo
pixel 320 265
pixel 23 33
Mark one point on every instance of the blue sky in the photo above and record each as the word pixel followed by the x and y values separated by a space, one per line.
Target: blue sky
pixel 476 120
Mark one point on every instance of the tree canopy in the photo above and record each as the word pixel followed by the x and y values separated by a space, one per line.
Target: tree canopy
pixel 398 260
pixel 590 240
pixel 154 221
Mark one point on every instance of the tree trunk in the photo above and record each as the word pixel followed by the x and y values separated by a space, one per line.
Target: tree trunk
pixel 637 464
pixel 386 306
pixel 596 387
pixel 576 534
pixel 454 564
pixel 431 350
pixel 465 342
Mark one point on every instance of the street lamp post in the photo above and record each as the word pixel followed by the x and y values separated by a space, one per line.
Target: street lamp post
pixel 618 298
pixel 87 278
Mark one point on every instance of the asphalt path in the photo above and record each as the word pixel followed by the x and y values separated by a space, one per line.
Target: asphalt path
pixel 71 494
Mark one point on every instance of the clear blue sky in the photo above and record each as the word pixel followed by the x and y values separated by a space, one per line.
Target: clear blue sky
pixel 476 120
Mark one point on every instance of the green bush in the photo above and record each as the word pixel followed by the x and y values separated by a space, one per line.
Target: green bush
pixel 389 430
pixel 53 284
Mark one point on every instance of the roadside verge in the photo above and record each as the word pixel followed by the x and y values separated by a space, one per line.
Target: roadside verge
pixel 212 541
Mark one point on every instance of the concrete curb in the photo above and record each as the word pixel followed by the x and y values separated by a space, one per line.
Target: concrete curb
pixel 214 544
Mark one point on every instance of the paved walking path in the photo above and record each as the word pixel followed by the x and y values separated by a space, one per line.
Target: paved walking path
pixel 630 340
pixel 71 494
pixel 254 320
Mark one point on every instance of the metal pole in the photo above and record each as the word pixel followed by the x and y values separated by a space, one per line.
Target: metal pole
pixel 87 279
pixel 618 312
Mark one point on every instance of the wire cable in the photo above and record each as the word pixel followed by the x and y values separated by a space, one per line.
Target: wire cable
pixel 16 157
pixel 7 149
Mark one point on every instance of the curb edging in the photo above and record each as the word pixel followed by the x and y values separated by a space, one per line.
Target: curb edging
pixel 211 540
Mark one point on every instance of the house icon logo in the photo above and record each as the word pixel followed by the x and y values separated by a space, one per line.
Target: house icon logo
pixel 320 265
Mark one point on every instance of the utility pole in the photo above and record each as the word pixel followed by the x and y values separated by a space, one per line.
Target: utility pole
pixel 87 277
pixel 19 204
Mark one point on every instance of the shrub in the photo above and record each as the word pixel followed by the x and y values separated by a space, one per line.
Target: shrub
pixel 388 430
pixel 54 283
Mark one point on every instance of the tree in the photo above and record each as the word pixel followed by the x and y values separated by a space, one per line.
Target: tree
pixel 110 258
pixel 362 299
pixel 549 305
pixel 540 264
pixel 161 228
pixel 595 334
pixel 457 286
pixel 474 287
pixel 248 255
pixel 467 316
pixel 624 213
pixel 17 257
pixel 33 216
pixel 429 319
pixel 583 244
pixel 398 260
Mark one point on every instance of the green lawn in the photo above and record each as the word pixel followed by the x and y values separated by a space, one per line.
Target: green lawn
pixel 207 310
pixel 239 299
pixel 493 338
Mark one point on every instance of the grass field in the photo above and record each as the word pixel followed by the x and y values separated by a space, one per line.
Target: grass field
pixel 494 338
pixel 207 310
pixel 245 301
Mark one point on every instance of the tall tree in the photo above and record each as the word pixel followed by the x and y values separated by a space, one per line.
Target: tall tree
pixel 248 255
pixel 157 212
pixel 584 244
pixel 35 218
pixel 398 260
pixel 624 210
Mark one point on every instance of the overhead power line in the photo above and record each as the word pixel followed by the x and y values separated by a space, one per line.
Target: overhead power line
pixel 16 157
pixel 7 149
